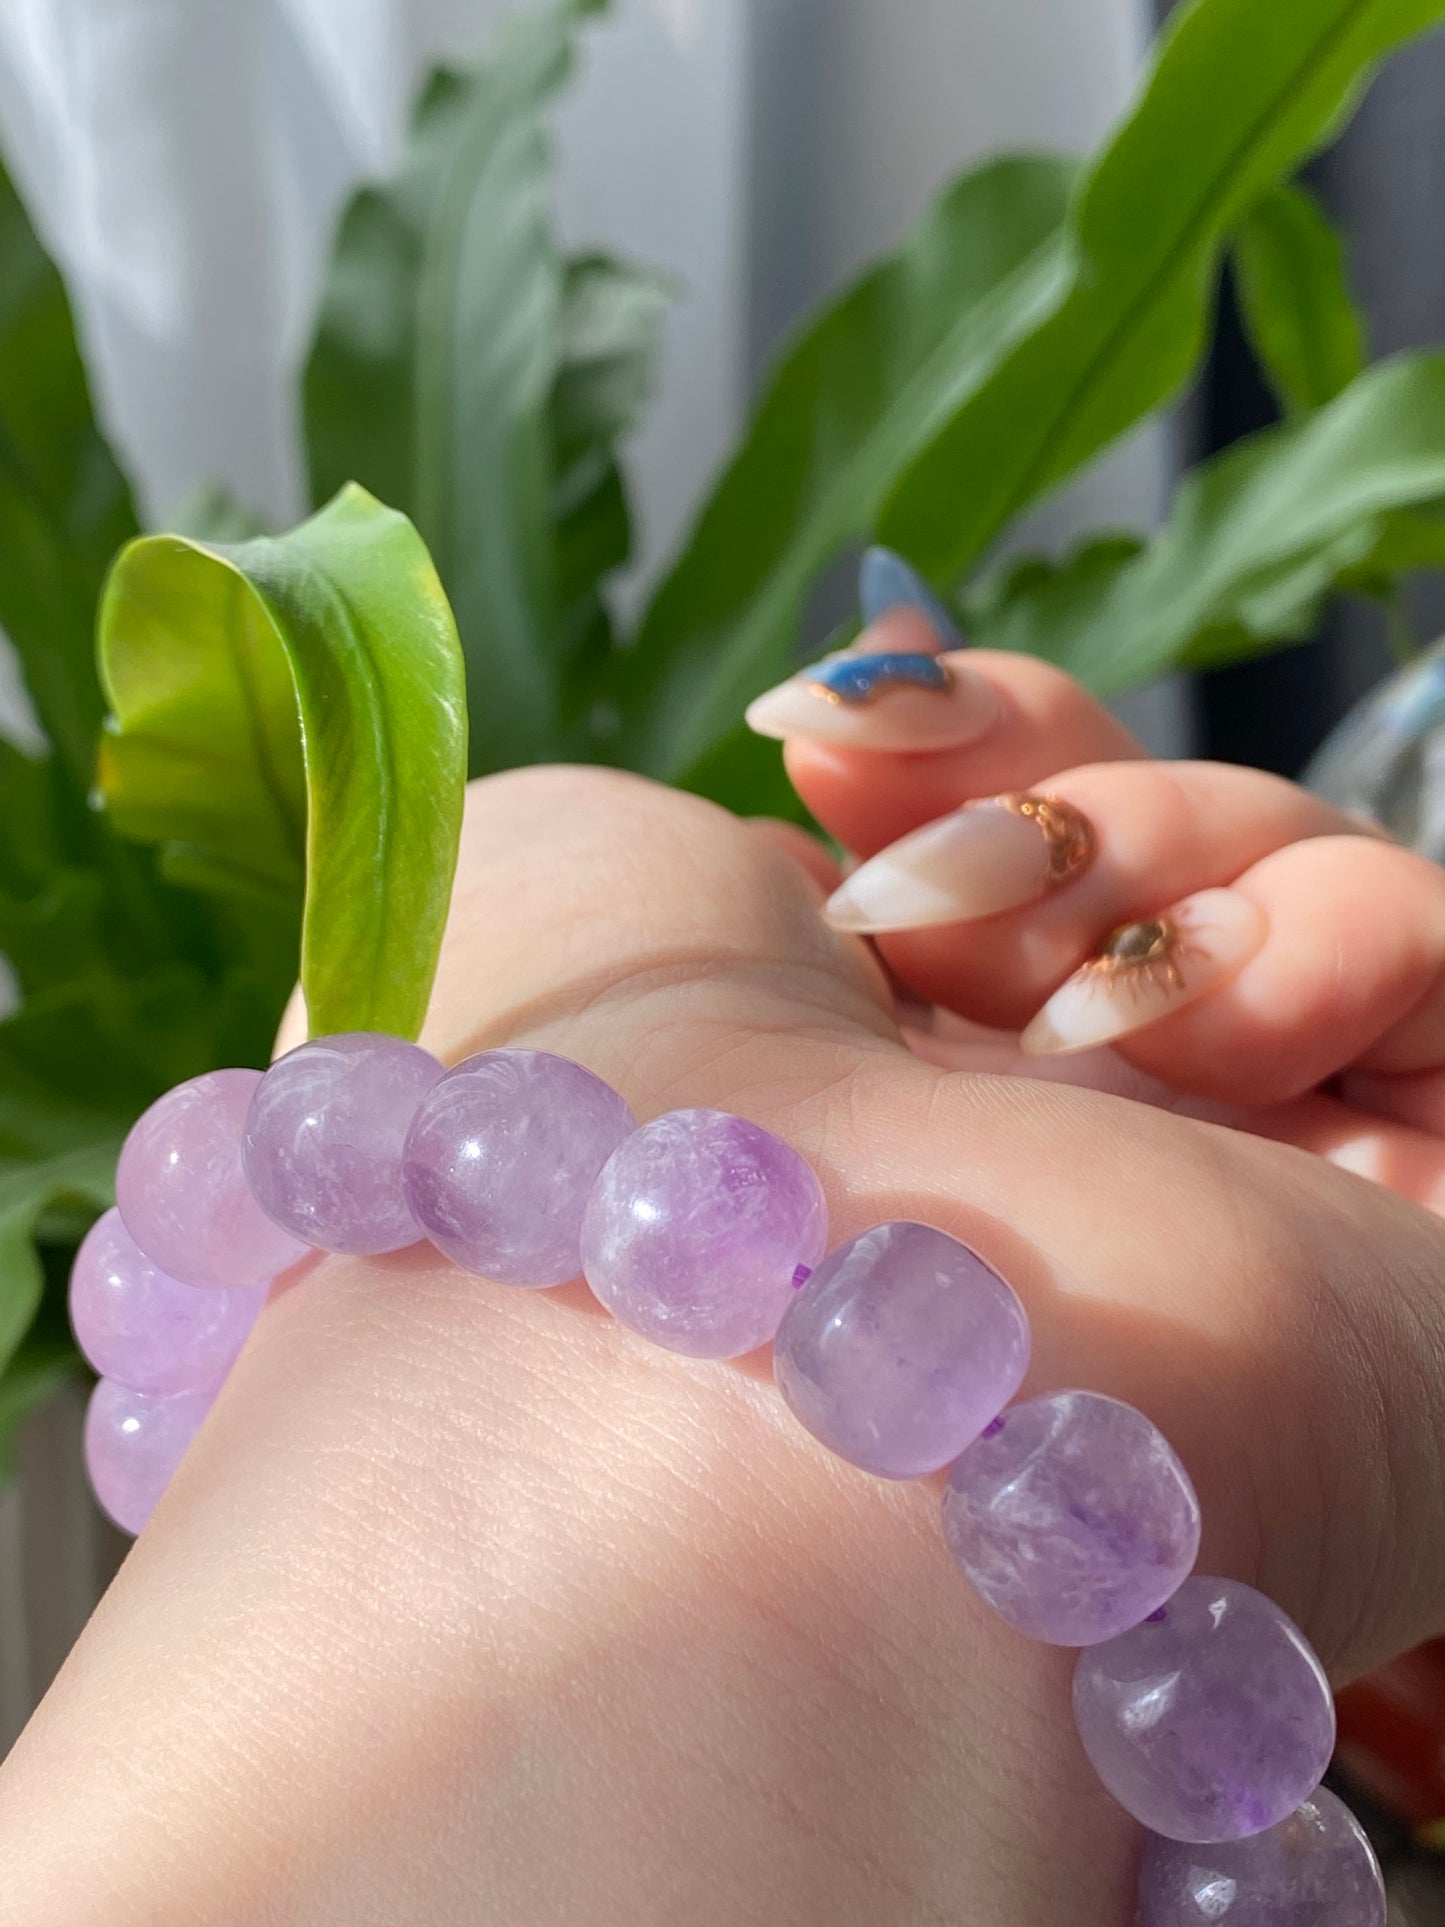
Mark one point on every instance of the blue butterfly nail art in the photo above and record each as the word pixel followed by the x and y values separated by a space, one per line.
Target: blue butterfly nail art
pixel 859 679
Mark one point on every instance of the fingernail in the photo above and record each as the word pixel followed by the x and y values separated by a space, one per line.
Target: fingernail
pixel 990 856
pixel 1148 970
pixel 886 581
pixel 899 695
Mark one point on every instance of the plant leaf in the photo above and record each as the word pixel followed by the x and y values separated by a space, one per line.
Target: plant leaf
pixel 436 362
pixel 64 505
pixel 862 388
pixel 81 1179
pixel 612 320
pixel 297 702
pixel 1255 540
pixel 1289 268
pixel 1237 96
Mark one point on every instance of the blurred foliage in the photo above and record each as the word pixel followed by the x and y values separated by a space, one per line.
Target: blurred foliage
pixel 479 381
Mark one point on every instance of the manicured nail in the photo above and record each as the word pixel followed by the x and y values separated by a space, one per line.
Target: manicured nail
pixel 1149 970
pixel 886 581
pixel 993 855
pixel 897 694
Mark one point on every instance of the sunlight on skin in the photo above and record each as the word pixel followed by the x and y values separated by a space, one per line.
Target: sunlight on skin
pixel 449 1562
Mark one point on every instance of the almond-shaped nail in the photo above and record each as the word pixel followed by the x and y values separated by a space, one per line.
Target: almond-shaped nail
pixel 887 697
pixel 1148 970
pixel 990 856
pixel 886 582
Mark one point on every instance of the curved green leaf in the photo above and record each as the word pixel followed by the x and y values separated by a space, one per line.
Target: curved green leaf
pixel 864 386
pixel 1238 95
pixel 1256 539
pixel 1289 270
pixel 64 505
pixel 34 1361
pixel 295 706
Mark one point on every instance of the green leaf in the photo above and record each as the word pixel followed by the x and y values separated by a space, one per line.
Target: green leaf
pixel 1289 267
pixel 1256 539
pixel 81 1179
pixel 434 373
pixel 297 703
pixel 863 387
pixel 64 505
pixel 1238 95
pixel 612 320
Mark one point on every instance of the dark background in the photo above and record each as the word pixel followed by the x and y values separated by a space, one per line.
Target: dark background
pixel 1382 183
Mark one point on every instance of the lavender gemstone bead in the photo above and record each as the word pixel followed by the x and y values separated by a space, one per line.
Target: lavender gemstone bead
pixel 696 1228
pixel 1210 1722
pixel 146 1330
pixel 182 1191
pixel 1073 1518
pixel 324 1137
pixel 134 1443
pixel 899 1350
pixel 1315 1869
pixel 501 1158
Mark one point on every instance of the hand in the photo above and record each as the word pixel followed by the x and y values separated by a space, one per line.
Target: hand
pixel 467 1606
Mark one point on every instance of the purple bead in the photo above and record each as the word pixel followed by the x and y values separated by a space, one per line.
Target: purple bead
pixel 900 1348
pixel 1315 1869
pixel 182 1191
pixel 146 1330
pixel 134 1443
pixel 502 1157
pixel 324 1136
pixel 695 1230
pixel 1073 1519
pixel 1213 1720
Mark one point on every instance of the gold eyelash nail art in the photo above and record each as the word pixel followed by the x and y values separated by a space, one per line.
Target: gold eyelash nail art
pixel 999 853
pixel 1147 970
pixel 1068 834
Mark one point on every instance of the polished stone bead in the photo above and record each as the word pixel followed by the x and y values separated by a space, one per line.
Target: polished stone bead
pixel 501 1159
pixel 1213 1720
pixel 324 1137
pixel 1072 1517
pixel 182 1189
pixel 696 1229
pixel 134 1443
pixel 146 1330
pixel 1315 1869
pixel 900 1348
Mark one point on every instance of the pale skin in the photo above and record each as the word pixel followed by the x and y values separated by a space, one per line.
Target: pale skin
pixel 469 1607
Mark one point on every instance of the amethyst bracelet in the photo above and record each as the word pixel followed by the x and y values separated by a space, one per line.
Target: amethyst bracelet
pixel 1200 1705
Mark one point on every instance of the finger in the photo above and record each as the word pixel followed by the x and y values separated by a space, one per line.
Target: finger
pixel 1028 720
pixel 1321 954
pixel 1404 1160
pixel 1043 883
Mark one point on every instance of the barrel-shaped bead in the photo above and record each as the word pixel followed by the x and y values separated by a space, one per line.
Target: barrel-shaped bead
pixel 1315 1869
pixel 697 1229
pixel 147 1330
pixel 1213 1720
pixel 502 1158
pixel 1073 1518
pixel 182 1191
pixel 133 1445
pixel 900 1348
pixel 324 1136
